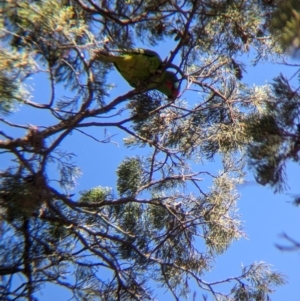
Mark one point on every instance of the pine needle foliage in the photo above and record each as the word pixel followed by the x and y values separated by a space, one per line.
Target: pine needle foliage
pixel 285 23
pixel 172 214
pixel 275 135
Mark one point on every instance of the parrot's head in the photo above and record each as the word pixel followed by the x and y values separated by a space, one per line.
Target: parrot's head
pixel 170 87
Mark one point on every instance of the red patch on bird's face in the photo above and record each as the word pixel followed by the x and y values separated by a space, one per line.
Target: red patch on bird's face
pixel 173 88
pixel 175 93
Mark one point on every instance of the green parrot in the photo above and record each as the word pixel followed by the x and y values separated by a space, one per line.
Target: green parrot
pixel 142 68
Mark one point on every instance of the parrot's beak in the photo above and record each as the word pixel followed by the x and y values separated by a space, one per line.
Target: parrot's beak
pixel 175 94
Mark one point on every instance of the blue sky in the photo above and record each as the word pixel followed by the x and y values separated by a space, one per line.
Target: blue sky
pixel 265 215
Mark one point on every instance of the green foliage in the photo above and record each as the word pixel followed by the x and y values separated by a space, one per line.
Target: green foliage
pixel 96 195
pixel 258 274
pixel 8 91
pixel 129 176
pixel 221 229
pixel 286 24
pixel 21 197
pixel 165 226
pixel 14 67
pixel 275 135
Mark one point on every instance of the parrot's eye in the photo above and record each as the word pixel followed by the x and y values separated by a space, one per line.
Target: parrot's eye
pixel 172 85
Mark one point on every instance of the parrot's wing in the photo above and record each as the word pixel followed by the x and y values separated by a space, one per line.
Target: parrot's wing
pixel 116 55
pixel 146 52
pixel 138 65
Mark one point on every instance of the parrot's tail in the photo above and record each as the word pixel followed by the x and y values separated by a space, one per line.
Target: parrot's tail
pixel 103 56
